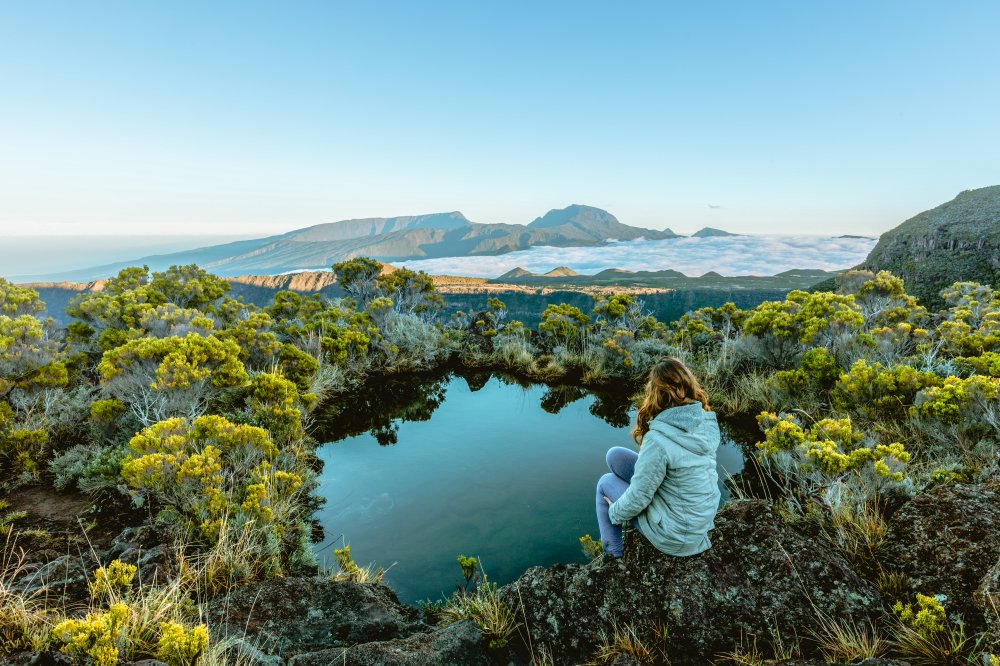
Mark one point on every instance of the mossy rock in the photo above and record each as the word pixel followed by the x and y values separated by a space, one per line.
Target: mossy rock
pixel 760 577
pixel 945 541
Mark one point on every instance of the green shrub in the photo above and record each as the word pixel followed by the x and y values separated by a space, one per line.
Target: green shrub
pixel 210 471
pixel 878 393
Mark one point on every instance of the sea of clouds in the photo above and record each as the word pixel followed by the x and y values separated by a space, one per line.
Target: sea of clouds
pixel 727 255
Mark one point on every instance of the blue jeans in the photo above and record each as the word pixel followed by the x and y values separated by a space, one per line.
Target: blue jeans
pixel 621 462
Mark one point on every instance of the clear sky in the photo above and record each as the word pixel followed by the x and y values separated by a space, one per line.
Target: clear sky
pixel 259 117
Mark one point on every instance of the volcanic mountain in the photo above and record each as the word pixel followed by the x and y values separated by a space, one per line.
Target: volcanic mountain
pixel 390 239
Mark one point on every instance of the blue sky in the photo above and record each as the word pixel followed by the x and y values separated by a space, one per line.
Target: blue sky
pixel 258 117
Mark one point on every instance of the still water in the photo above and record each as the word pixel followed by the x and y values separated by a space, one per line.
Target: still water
pixel 420 471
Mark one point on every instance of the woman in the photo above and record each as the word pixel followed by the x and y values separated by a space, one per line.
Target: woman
pixel 670 489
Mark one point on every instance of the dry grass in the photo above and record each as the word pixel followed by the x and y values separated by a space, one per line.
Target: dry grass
pixel 746 653
pixel 485 609
pixel 847 642
pixel 25 622
pixel 949 646
pixel 858 528
pixel 625 640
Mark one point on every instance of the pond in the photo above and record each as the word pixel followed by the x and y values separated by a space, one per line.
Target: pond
pixel 419 471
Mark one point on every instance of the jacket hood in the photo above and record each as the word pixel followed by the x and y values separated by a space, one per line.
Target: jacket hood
pixel 691 421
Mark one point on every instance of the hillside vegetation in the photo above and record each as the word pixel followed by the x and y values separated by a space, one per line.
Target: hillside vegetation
pixel 166 392
pixel 960 237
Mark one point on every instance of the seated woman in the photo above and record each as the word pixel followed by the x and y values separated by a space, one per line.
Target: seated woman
pixel 670 489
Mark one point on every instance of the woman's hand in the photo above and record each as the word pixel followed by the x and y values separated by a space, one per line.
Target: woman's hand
pixel 608 500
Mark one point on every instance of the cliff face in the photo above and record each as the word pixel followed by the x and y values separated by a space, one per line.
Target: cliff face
pixel 957 241
pixel 307 281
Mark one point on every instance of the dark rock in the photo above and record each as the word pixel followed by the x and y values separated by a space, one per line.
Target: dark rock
pixel 292 616
pixel 945 541
pixel 823 662
pixel 624 660
pixel 50 658
pixel 459 644
pixel 63 580
pixel 987 599
pixel 760 577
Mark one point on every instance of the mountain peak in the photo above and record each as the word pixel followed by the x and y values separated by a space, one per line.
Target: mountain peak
pixel 575 214
pixel 561 271
pixel 711 232
pixel 516 273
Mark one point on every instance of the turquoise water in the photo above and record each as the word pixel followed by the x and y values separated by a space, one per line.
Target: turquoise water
pixel 438 467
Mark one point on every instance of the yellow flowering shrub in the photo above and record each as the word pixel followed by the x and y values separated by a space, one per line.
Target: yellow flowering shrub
pixel 95 638
pixel 806 317
pixel 972 326
pixel 179 362
pixel 830 447
pixel 707 326
pixel 879 393
pixel 896 342
pixel 276 404
pixel 816 374
pixel 179 645
pixel 988 364
pixel 113 580
pixel 106 411
pixel 30 365
pixel 210 468
pixel 16 300
pixel 252 332
pixel 592 547
pixel 956 399
pixel 619 344
pixel 927 619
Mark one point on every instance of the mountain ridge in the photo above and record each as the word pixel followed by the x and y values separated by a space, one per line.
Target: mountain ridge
pixel 387 239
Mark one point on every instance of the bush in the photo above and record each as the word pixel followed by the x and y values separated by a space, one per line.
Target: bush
pixel 210 471
pixel 879 393
pixel 164 377
pixel 813 458
pixel 88 467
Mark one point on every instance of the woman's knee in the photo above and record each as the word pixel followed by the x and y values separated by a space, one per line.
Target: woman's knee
pixel 606 483
pixel 617 455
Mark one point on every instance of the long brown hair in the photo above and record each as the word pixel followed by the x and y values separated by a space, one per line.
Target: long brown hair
pixel 670 384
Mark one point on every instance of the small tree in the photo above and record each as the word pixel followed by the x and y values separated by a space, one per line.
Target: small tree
pixel 30 373
pixel 359 278
pixel 163 377
pixel 564 324
pixel 16 301
pixel 411 292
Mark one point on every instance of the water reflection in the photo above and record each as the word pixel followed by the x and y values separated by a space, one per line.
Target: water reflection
pixel 378 407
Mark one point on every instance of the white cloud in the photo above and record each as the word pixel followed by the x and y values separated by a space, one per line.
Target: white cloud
pixel 729 255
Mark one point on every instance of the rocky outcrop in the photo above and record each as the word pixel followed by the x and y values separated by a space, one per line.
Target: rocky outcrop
pixel 291 616
pixel 459 644
pixel 313 621
pixel 760 577
pixel 824 662
pixel 945 542
pixel 957 241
